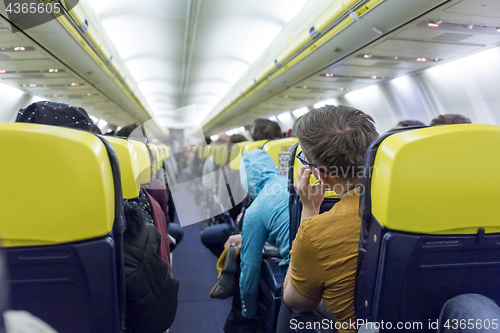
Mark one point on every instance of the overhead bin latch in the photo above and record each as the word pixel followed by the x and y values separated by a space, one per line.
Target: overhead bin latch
pixel 355 17
pixel 313 32
pixel 84 26
pixel 277 63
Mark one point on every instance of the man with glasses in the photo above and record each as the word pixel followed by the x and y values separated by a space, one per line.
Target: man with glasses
pixel 323 258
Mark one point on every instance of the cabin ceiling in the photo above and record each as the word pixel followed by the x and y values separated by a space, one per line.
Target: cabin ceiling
pixel 467 26
pixel 182 53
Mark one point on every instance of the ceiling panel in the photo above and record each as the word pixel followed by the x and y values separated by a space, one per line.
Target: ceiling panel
pixel 419 49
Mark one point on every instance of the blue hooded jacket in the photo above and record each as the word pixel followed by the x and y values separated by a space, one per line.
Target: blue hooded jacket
pixel 267 219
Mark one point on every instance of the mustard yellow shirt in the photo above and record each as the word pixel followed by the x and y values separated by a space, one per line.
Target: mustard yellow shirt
pixel 324 258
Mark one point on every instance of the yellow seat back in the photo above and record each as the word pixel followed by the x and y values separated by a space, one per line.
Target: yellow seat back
pixel 235 154
pixel 129 166
pixel 144 161
pixel 57 185
pixel 296 166
pixel 279 150
pixel 218 154
pixel 207 151
pixel 224 154
pixel 253 145
pixel 438 180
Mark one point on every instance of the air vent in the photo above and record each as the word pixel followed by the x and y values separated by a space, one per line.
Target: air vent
pixel 451 37
pixel 385 64
pixel 33 76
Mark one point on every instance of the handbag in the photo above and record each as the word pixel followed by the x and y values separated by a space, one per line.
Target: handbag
pixel 227 267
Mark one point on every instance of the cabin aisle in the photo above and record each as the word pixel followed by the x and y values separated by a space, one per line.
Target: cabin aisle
pixel 195 267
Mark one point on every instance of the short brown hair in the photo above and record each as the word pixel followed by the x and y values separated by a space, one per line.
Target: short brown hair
pixel 336 137
pixel 450 118
pixel 265 129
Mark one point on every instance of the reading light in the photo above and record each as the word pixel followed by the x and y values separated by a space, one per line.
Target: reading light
pixel 32 85
pixel 74 84
pixel 421 59
pixel 53 70
pixel 305 87
pixel 434 23
pixel 373 77
pixel 367 56
pixel 19 48
pixel 54 95
pixel 2 71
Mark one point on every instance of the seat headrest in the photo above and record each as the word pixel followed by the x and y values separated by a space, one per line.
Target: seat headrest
pixel 220 157
pixel 235 155
pixel 57 185
pixel 438 180
pixel 253 145
pixel 218 154
pixel 129 166
pixel 279 150
pixel 144 161
pixel 296 166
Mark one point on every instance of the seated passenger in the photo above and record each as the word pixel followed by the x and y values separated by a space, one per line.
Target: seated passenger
pixel 214 237
pixel 151 290
pixel 478 309
pixel 408 123
pixel 266 220
pixel 448 119
pixel 265 129
pixel 323 258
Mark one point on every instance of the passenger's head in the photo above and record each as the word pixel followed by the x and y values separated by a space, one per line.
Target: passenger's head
pixel 57 114
pixel 256 168
pixel 132 131
pixel 208 140
pixel 265 129
pixel 408 123
pixel 450 118
pixel 95 129
pixel 235 138
pixel 222 137
pixel 335 138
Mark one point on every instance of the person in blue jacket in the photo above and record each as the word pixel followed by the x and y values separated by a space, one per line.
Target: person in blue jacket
pixel 266 219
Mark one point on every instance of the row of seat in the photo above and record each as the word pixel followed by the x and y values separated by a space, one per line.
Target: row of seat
pixel 62 213
pixel 423 240
pixel 430 229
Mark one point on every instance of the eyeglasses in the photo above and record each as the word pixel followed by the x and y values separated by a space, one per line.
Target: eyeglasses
pixel 302 159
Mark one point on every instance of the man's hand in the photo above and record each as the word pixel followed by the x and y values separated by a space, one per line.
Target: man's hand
pixel 236 239
pixel 311 196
